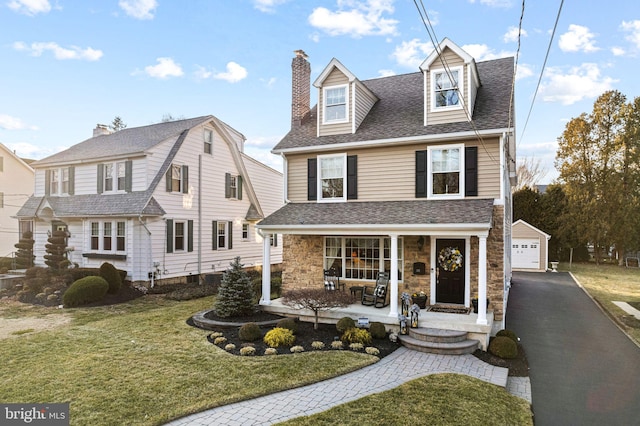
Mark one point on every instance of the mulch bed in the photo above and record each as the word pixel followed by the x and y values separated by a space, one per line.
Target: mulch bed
pixel 518 366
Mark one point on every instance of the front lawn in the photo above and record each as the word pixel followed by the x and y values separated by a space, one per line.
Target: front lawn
pixel 139 363
pixel 608 284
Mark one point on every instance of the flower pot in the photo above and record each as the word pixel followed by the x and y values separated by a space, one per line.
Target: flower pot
pixel 474 302
pixel 420 301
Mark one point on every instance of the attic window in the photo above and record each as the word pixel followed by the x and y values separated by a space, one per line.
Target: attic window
pixel 445 87
pixel 208 141
pixel 335 108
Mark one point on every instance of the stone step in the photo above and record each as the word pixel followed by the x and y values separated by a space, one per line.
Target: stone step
pixel 467 346
pixel 438 335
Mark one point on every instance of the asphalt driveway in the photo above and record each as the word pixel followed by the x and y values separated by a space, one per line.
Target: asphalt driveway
pixel 583 369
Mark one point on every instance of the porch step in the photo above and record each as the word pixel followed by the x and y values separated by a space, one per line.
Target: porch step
pixel 437 341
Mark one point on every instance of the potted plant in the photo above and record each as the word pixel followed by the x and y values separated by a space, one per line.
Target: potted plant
pixel 420 299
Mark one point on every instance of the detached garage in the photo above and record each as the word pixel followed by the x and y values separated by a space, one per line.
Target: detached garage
pixel 529 247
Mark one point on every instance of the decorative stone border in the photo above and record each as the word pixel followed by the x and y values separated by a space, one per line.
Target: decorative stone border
pixel 200 321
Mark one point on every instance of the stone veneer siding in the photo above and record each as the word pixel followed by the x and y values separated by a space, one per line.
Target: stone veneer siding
pixel 302 263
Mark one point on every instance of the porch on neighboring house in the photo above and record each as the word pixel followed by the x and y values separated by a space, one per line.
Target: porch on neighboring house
pixel 438 320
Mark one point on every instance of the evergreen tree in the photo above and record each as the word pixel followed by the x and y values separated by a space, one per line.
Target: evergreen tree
pixel 24 255
pixel 235 295
pixel 56 249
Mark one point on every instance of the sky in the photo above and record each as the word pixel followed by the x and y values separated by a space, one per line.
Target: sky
pixel 67 65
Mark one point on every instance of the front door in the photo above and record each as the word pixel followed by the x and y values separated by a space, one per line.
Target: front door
pixel 450 274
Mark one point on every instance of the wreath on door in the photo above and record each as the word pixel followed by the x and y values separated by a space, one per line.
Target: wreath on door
pixel 450 259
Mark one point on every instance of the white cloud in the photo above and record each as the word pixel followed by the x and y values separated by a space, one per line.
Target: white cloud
pixel 494 3
pixel 139 9
pixel 165 68
pixel 59 52
pixel 411 53
pixel 482 52
pixel 30 7
pixel 267 6
pixel 633 28
pixel 8 122
pixel 386 73
pixel 511 36
pixel 618 51
pixel 27 150
pixel 524 71
pixel 234 73
pixel 577 39
pixel 584 81
pixel 355 18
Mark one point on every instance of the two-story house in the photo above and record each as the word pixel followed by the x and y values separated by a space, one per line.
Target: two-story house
pixel 163 202
pixel 408 174
pixel 16 186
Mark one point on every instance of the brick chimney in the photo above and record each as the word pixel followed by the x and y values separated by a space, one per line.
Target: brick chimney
pixel 301 87
pixel 100 130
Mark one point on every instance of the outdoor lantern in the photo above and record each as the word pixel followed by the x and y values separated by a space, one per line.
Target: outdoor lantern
pixel 403 324
pixel 415 311
pixel 405 303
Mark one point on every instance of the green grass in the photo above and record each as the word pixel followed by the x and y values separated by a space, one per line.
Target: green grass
pixel 139 363
pixel 609 283
pixel 439 399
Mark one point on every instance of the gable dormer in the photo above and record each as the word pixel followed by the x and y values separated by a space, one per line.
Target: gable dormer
pixel 343 101
pixel 451 83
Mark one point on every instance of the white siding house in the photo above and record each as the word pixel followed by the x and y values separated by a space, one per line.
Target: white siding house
pixel 165 201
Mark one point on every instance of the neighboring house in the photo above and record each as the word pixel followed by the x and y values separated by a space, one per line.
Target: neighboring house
pixel 529 247
pixel 16 186
pixel 389 174
pixel 166 201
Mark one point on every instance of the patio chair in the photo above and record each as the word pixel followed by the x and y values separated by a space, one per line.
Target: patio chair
pixel 377 296
pixel 332 280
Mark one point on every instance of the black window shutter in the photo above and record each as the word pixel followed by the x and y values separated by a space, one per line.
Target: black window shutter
pixel 185 179
pixel 190 235
pixel 471 171
pixel 239 190
pixel 421 174
pixel 128 178
pixel 169 235
pixel 168 180
pixel 100 178
pixel 312 176
pixel 47 182
pixel 227 185
pixel 72 180
pixel 214 239
pixel 229 235
pixel 352 177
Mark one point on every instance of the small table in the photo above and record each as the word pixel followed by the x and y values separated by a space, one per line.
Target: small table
pixel 355 289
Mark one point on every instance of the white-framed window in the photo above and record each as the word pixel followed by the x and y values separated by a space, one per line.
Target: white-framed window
pixel 245 231
pixel 361 258
pixel 102 234
pixel 273 240
pixel 121 173
pixel 233 186
pixel 336 107
pixel 332 172
pixel 53 183
pixel 176 178
pixel 95 236
pixel 121 236
pixel 25 226
pixel 107 236
pixel 445 88
pixel 221 235
pixel 208 141
pixel 65 181
pixel 446 171
pixel 108 177
pixel 179 236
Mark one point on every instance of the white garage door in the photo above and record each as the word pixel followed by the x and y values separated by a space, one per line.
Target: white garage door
pixel 525 253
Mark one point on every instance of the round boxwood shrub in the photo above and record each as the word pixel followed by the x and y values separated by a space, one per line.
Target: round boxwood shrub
pixel 249 332
pixel 278 336
pixel 289 323
pixel 356 335
pixel 377 330
pixel 85 290
pixel 112 276
pixel 344 324
pixel 503 347
pixel 508 333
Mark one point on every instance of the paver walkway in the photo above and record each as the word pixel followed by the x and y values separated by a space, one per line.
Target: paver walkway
pixel 393 370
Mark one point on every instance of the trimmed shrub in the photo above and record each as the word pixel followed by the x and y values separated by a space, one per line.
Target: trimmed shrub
pixel 372 351
pixel 378 330
pixel 356 335
pixel 249 332
pixel 278 336
pixel 111 275
pixel 508 333
pixel 271 351
pixel 78 273
pixel 289 323
pixel 296 349
pixel 503 347
pixel 85 290
pixel 344 324
pixel 248 351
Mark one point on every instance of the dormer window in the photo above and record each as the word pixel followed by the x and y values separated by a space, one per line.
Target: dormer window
pixel 335 105
pixel 445 88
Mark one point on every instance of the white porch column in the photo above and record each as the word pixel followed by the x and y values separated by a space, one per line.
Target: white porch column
pixel 393 297
pixel 266 270
pixel 482 281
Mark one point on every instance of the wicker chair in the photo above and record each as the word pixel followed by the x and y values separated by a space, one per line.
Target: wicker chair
pixel 377 296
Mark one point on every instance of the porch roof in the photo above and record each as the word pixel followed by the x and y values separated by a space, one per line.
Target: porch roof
pixel 408 217
pixel 133 203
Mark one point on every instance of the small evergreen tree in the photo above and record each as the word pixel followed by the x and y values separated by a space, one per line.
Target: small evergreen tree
pixel 24 255
pixel 235 294
pixel 56 250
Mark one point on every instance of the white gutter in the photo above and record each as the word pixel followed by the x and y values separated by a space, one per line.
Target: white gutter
pixel 438 229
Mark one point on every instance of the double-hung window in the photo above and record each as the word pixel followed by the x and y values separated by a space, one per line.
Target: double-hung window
pixel 221 234
pixel 103 234
pixel 335 104
pixel 208 141
pixel 121 233
pixel 65 180
pixel 233 187
pixel 332 171
pixel 176 178
pixel 108 177
pixel 446 171
pixel 95 236
pixel 179 236
pixel 53 183
pixel 445 88
pixel 121 173
pixel 245 231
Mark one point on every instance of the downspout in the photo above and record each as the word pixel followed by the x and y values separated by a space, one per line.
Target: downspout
pixel 144 225
pixel 285 172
